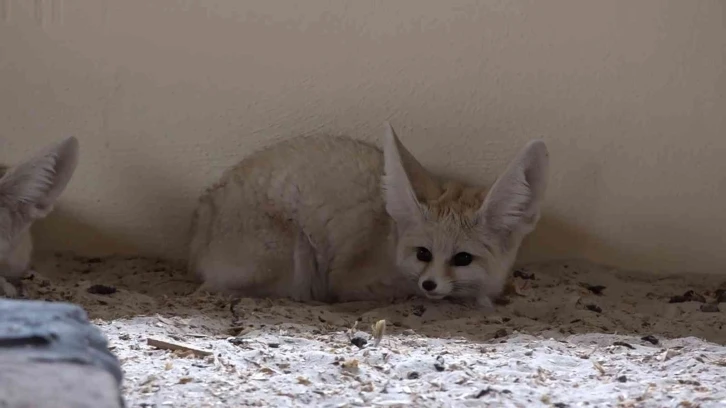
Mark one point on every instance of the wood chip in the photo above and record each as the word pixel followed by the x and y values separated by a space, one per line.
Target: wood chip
pixel 378 330
pixel 165 345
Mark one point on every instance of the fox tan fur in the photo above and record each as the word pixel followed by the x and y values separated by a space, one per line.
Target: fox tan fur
pixel 335 219
pixel 28 192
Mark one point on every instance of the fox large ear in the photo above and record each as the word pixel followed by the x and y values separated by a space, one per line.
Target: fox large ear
pixel 405 181
pixel 38 182
pixel 513 203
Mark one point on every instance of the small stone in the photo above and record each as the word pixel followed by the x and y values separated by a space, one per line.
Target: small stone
pixel 359 341
pixel 594 308
pixel 522 274
pixel 413 375
pixel 273 345
pixel 689 296
pixel 101 290
pixel 623 344
pixel 419 310
pixel 622 379
pixel 720 295
pixel 710 308
pixel 500 333
pixel 650 339
pixel 124 336
pixel 595 289
pixel 439 364
pixel 483 392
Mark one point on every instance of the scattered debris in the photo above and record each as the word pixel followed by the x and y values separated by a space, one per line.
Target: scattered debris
pixel 165 345
pixel 101 290
pixel 419 310
pixel 350 365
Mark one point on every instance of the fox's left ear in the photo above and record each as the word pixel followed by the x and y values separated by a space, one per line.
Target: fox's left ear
pixel 37 183
pixel 513 203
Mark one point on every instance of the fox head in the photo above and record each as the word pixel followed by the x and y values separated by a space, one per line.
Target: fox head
pixel 29 190
pixel 461 241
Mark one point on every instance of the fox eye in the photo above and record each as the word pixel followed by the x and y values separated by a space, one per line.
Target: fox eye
pixel 423 254
pixel 462 259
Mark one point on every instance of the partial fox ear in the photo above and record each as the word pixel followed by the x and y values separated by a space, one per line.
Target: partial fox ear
pixel 513 203
pixel 39 181
pixel 405 181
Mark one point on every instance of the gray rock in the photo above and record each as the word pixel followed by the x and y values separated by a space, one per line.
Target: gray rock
pixel 50 352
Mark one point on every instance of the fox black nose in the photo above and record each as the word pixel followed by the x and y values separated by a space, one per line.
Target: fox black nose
pixel 428 285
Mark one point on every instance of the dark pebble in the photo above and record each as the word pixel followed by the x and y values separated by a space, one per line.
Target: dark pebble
pixel 502 301
pixel 710 308
pixel 623 379
pixel 101 290
pixel 720 295
pixel 413 375
pixel 359 341
pixel 519 273
pixel 273 345
pixel 594 308
pixel 238 341
pixel 560 405
pixel 623 344
pixel 483 392
pixel 650 339
pixel 500 333
pixel 689 296
pixel 596 289
pixel 439 364
pixel 419 310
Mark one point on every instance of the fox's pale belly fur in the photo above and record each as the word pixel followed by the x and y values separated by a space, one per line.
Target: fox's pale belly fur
pixel 304 219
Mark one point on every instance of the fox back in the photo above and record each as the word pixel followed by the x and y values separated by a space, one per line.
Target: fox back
pixel 28 192
pixel 337 219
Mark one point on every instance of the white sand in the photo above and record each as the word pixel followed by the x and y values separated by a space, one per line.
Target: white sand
pixel 550 347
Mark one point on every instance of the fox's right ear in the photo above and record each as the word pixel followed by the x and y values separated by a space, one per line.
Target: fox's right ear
pixel 401 201
pixel 39 181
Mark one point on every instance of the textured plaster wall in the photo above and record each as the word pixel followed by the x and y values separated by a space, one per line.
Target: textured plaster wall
pixel 164 94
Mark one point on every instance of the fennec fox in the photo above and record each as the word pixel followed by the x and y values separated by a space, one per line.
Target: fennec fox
pixel 28 192
pixel 335 219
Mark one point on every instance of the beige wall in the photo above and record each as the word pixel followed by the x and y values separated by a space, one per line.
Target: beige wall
pixel 164 94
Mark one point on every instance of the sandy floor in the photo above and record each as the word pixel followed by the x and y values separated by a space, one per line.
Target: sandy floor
pixel 576 337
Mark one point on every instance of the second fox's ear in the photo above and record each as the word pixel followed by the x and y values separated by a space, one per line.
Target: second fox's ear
pixel 405 181
pixel 514 201
pixel 39 181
